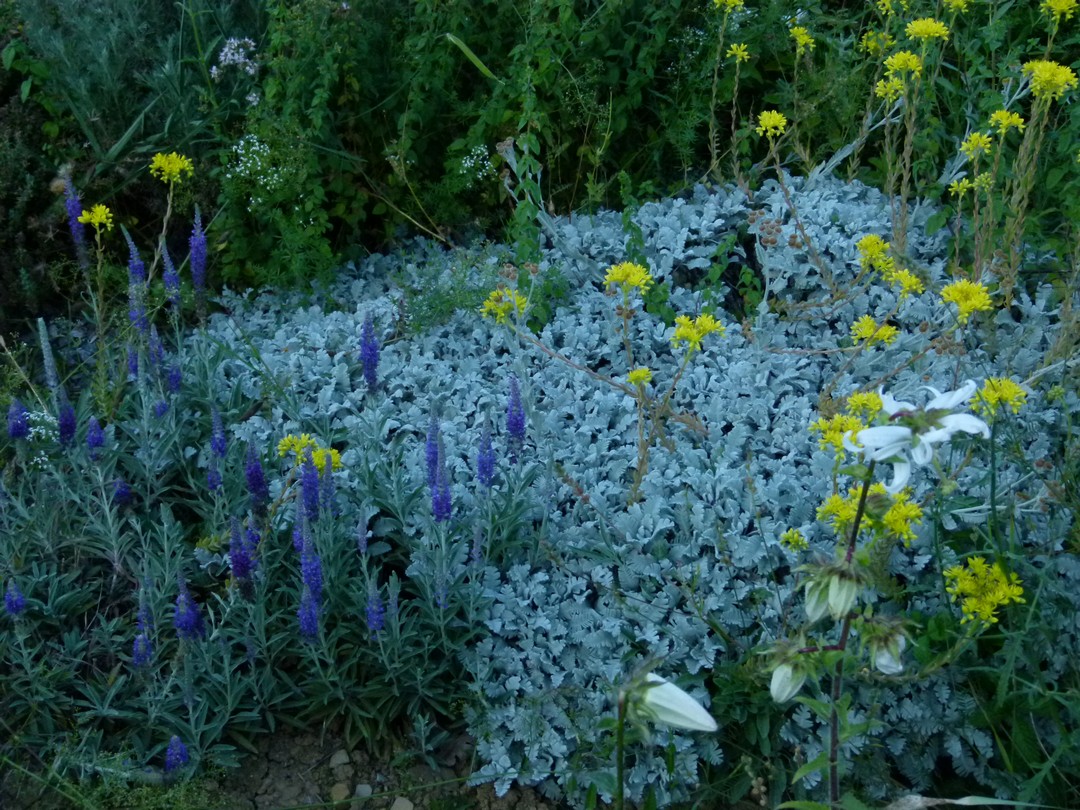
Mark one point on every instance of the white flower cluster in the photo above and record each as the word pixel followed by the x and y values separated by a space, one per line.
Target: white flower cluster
pixel 42 427
pixel 477 164
pixel 236 52
pixel 253 164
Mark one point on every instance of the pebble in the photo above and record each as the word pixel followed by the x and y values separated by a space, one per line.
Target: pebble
pixel 401 803
pixel 339 792
pixel 340 757
pixel 363 791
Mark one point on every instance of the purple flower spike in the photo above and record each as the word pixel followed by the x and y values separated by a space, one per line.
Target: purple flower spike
pixel 142 651
pixel 197 243
pixel 67 424
pixel 376 612
pixel 485 459
pixel 369 353
pixel 256 482
pixel 95 438
pixel 171 279
pixel 441 505
pixel 515 420
pixel 309 486
pixel 18 420
pixel 308 616
pixel 176 756
pixel 213 478
pixel 218 443
pixel 240 560
pixel 173 379
pixel 186 619
pixel 155 351
pixel 122 494
pixel 136 288
pixel 73 207
pixel 431 453
pixel 132 362
pixel 160 409
pixel 14 601
pixel 311 571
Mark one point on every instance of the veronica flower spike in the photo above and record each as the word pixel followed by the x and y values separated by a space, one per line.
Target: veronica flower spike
pixel 916 431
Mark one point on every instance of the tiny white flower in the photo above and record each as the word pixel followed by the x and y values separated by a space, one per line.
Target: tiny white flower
pixel 926 428
pixel 669 704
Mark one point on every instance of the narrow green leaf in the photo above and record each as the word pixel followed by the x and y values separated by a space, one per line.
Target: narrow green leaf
pixel 802 805
pixel 472 57
pixel 816 764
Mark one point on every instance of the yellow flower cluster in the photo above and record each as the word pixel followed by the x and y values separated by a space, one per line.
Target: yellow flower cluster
pixel 889 89
pixel 771 123
pixel 839 512
pixel 803 41
pixel 639 376
pixel 866 328
pixel 958 188
pixel 998 391
pixel 628 275
pixel 981 589
pixel 875 43
pixel 300 446
pixel 903 62
pixel 99 216
pixel 693 332
pixel 957 6
pixel 794 540
pixel 887 9
pixel 1003 121
pixel 927 28
pixel 975 144
pixel 874 254
pixel 1058 9
pixel 864 404
pixel 1049 80
pixel 899 517
pixel 729 5
pixel 500 304
pixel 832 430
pixel 968 296
pixel 170 168
pixel 740 53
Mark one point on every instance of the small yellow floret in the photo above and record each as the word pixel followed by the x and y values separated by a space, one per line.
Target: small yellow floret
pixel 864 405
pixel 1049 80
pixel 740 53
pixel 927 28
pixel 803 41
pixel 793 540
pixel 872 250
pixel 692 332
pixel 975 144
pixel 875 43
pixel 957 6
pixel 1003 121
pixel 900 517
pixel 627 275
pixel 170 168
pixel 771 124
pixel 907 281
pixel 1058 9
pixel 639 376
pixel 501 303
pixel 866 328
pixel 99 216
pixel 968 296
pixel 998 391
pixel 982 589
pixel 729 5
pixel 903 62
pixel 834 428
pixel 958 188
pixel 889 89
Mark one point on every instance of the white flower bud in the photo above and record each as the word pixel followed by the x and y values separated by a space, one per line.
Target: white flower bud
pixel 817 599
pixel 842 593
pixel 786 683
pixel 669 704
pixel 887 656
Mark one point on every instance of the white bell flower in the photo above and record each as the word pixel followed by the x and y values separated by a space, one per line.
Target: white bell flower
pixel 917 433
pixel 667 703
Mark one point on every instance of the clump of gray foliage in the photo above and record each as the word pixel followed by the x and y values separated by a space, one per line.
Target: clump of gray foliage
pixel 582 591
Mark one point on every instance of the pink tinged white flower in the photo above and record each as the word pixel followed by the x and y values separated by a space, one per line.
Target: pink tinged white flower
pixel 669 704
pixel 917 431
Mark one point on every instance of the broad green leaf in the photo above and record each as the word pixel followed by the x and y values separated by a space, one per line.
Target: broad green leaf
pixel 816 764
